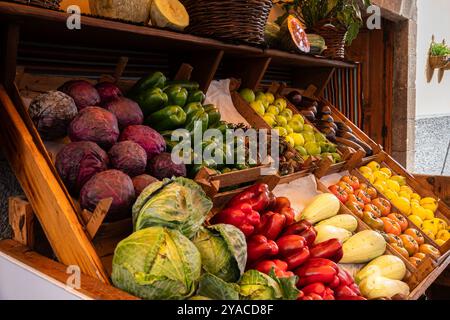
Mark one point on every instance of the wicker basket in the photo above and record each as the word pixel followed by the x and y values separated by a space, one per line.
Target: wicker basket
pixel 229 20
pixel 49 4
pixel 334 39
pixel 439 62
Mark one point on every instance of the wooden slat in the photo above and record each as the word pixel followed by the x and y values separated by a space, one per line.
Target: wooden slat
pixel 101 31
pixel 21 220
pixel 49 201
pixel 89 286
pixel 8 54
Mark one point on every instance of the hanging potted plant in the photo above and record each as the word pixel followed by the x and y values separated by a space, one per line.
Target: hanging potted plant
pixel 337 21
pixel 439 56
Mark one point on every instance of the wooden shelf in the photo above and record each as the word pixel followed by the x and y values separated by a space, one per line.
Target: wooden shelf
pixel 37 23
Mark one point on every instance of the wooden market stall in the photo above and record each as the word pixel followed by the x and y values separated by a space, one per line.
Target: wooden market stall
pixel 38 53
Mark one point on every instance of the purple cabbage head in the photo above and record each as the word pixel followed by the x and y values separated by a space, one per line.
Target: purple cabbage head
pixel 162 166
pixel 109 184
pixel 83 93
pixel 108 91
pixel 129 157
pixel 77 162
pixel 149 139
pixel 141 182
pixel 127 111
pixel 52 113
pixel 95 124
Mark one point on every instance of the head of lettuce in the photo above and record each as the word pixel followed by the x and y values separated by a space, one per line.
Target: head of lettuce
pixel 157 263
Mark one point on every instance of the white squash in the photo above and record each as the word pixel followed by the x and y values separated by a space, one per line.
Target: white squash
pixel 169 14
pixel 322 207
pixel 344 221
pixel 326 232
pixel 375 287
pixel 387 266
pixel 363 247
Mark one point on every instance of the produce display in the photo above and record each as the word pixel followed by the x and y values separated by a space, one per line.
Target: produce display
pixel 420 210
pixel 365 203
pixel 321 115
pixel 299 134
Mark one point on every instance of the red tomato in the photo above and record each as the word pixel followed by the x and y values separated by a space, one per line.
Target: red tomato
pixel 339 192
pixel 382 204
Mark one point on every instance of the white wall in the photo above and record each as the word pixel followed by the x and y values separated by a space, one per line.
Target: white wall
pixel 433 18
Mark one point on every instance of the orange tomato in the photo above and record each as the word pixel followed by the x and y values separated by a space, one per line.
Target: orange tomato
pixel 416 234
pixel 430 250
pixel 402 221
pixel 382 204
pixel 401 250
pixel 347 188
pixel 410 244
pixel 352 181
pixel 363 186
pixel 363 195
pixel 354 198
pixel 391 226
pixel 393 239
pixel 420 255
pixel 374 209
pixel 415 261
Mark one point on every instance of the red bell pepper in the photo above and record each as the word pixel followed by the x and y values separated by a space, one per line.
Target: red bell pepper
pixel 329 294
pixel 271 225
pixel 331 249
pixel 241 216
pixel 290 214
pixel 280 268
pixel 258 196
pixel 294 250
pixel 344 277
pixel 317 270
pixel 344 291
pixel 320 289
pixel 280 203
pixel 348 298
pixel 304 229
pixel 259 247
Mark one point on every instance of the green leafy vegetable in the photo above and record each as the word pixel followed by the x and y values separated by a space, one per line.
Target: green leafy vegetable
pixel 259 286
pixel 178 203
pixel 157 263
pixel 223 250
pixel 215 288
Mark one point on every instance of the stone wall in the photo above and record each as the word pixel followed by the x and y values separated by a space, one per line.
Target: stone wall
pixel 404 14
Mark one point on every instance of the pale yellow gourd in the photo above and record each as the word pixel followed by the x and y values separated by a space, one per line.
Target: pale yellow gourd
pixel 344 221
pixel 322 207
pixel 363 247
pixel 387 266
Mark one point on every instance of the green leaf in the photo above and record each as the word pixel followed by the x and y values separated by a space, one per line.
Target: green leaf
pixel 215 288
pixel 288 286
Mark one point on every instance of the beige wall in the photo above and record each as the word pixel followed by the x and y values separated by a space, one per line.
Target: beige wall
pixel 433 18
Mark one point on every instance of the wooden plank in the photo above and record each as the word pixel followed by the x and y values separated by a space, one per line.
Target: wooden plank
pixel 89 286
pixel 440 185
pixel 249 70
pixel 8 53
pixel 98 216
pixel 428 281
pixel 21 220
pixel 101 31
pixel 319 77
pixel 49 201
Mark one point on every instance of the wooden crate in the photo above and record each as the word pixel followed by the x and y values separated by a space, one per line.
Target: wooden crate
pixel 443 211
pixel 321 167
pixel 415 275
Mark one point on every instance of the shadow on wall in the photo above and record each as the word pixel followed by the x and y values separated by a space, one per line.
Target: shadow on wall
pixel 9 186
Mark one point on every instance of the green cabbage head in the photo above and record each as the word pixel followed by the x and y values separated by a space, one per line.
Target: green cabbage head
pixel 177 203
pixel 224 251
pixel 157 263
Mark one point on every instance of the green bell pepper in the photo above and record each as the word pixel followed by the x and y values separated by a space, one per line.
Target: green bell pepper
pixel 154 80
pixel 151 100
pixel 222 126
pixel 213 113
pixel 171 117
pixel 177 95
pixel 192 107
pixel 186 84
pixel 199 115
pixel 196 96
